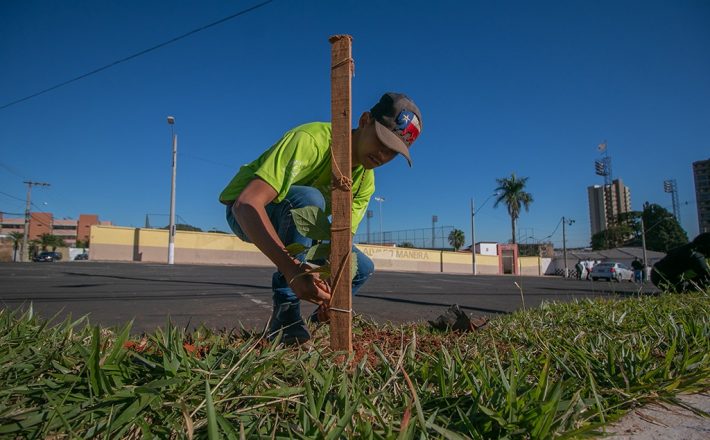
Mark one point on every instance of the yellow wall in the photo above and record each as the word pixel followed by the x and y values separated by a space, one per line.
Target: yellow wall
pixel 487 264
pixel 529 265
pixel 117 235
pixel 111 235
pixel 115 243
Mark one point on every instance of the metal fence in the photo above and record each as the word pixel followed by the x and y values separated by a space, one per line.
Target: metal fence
pixel 424 238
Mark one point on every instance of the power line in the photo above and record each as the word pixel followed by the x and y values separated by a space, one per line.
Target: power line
pixel 135 55
pixel 553 232
pixel 11 170
pixel 11 196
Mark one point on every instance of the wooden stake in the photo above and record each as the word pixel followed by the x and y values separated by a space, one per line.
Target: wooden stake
pixel 341 194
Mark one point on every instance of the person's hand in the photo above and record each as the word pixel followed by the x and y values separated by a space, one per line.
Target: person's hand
pixel 309 287
pixel 323 313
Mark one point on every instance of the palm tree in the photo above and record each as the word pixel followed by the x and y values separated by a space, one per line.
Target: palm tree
pixel 456 239
pixel 33 247
pixel 16 238
pixel 47 240
pixel 512 192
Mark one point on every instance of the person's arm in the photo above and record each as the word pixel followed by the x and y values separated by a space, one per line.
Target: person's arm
pixel 699 265
pixel 250 212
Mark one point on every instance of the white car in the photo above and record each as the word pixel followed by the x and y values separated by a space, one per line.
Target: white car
pixel 612 271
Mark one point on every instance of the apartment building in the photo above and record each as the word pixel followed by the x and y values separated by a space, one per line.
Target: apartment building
pixel 40 223
pixel 701 175
pixel 606 202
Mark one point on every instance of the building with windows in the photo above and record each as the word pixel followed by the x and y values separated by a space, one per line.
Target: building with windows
pixel 40 223
pixel 606 202
pixel 701 175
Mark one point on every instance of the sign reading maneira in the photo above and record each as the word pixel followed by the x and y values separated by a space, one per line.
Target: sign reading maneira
pixel 404 254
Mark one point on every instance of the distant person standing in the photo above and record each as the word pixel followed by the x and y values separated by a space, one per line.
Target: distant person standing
pixel 637 266
pixel 580 269
pixel 588 266
pixel 685 267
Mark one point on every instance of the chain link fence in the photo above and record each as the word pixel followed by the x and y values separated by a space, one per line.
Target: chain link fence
pixel 424 238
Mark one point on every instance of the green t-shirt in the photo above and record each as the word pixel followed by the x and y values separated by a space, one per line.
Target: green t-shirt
pixel 302 157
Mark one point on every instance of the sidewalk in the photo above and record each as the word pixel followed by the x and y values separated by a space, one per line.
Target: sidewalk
pixel 662 421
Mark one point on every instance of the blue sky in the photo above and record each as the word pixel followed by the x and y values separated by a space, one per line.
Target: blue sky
pixel 524 87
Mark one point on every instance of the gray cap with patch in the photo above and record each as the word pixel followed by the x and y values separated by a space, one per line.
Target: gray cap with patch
pixel 398 122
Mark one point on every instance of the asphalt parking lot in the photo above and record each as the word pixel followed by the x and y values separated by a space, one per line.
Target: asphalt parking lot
pixel 232 296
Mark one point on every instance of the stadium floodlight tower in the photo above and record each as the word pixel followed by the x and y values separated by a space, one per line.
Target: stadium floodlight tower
pixel 602 167
pixel 671 186
pixel 382 234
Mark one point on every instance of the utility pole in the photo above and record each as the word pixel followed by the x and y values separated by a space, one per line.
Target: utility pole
pixel 171 229
pixel 25 236
pixel 369 216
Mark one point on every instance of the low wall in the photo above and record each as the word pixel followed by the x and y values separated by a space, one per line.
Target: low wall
pixel 487 264
pixel 115 243
pixel 423 260
pixel 529 266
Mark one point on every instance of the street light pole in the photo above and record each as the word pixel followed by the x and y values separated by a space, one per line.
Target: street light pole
pixel 564 246
pixel 434 219
pixel 171 230
pixel 382 234
pixel 564 243
pixel 643 245
pixel 473 239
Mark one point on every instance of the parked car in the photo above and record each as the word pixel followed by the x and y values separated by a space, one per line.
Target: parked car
pixel 82 256
pixel 48 256
pixel 612 271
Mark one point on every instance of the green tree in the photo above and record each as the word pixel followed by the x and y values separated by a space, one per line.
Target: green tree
pixel 546 249
pixel 456 238
pixel 16 238
pixel 511 192
pixel 623 233
pixel 406 244
pixel 33 247
pixel 613 237
pixel 663 232
pixel 51 240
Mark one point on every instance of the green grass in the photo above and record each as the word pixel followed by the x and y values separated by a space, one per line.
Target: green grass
pixel 560 370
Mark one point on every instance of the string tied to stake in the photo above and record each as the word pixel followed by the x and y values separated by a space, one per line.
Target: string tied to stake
pixel 349 60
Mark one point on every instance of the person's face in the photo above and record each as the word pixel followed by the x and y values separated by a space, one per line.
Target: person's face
pixel 368 150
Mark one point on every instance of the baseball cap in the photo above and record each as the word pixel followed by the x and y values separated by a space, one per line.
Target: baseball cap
pixel 398 122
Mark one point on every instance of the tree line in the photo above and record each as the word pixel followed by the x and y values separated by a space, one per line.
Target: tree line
pixel 661 229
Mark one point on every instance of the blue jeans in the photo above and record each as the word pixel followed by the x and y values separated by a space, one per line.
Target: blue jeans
pixel 282 221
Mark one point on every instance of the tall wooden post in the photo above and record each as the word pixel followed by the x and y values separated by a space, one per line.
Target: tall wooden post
pixel 341 195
